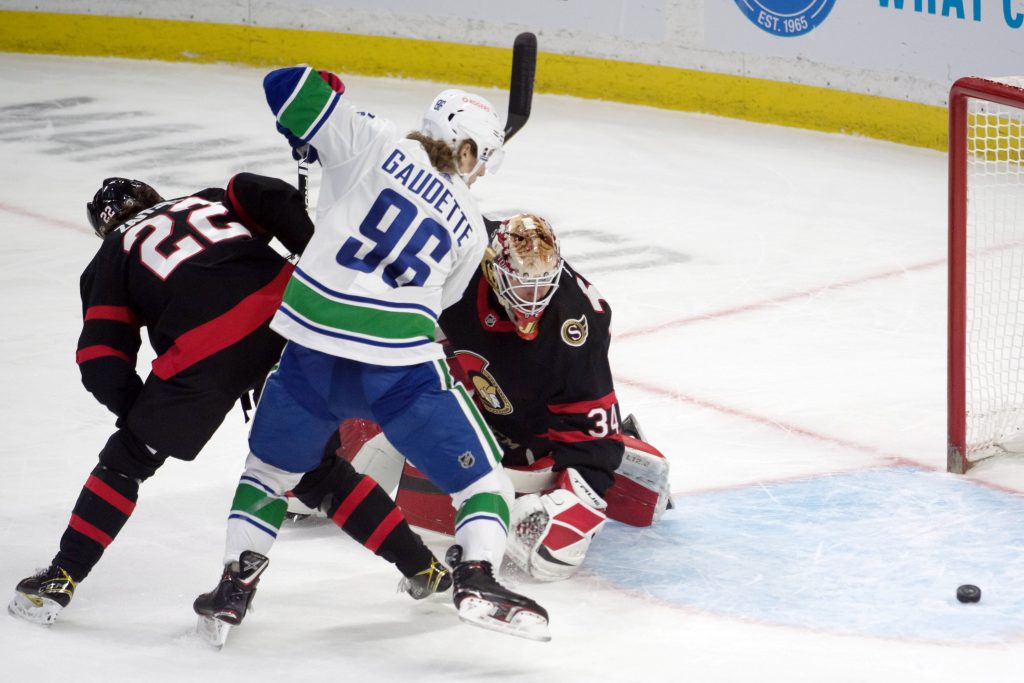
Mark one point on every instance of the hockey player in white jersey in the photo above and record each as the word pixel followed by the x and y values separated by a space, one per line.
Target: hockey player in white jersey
pixel 398 237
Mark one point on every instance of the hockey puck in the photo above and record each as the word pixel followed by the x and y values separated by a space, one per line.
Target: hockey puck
pixel 968 593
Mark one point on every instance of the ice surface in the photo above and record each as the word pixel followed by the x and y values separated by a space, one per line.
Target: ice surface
pixel 875 552
pixel 779 330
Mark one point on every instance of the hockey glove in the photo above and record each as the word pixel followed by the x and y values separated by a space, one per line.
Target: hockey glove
pixel 300 149
pixel 550 533
pixel 333 81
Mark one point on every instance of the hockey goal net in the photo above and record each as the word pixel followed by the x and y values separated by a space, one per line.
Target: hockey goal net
pixel 986 270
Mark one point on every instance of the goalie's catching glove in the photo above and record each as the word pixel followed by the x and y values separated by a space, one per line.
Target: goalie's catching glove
pixel 550 533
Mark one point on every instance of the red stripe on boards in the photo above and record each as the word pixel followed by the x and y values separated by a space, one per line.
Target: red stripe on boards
pixel 109 495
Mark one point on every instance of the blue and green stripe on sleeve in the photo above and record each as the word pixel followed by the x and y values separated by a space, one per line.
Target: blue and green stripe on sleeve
pixel 300 99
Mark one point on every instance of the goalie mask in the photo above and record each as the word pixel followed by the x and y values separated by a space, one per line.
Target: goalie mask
pixel 118 200
pixel 456 116
pixel 523 265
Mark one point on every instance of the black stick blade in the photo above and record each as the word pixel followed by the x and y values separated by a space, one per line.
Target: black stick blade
pixel 520 96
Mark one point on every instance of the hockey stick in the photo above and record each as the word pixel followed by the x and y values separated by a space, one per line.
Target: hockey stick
pixel 520 99
pixel 303 171
pixel 520 92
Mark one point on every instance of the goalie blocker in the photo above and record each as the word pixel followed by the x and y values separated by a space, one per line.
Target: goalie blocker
pixel 556 515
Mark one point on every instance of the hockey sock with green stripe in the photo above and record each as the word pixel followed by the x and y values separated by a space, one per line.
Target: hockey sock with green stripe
pixel 481 527
pixel 257 513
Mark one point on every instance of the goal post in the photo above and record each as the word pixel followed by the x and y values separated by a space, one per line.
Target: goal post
pixel 985 379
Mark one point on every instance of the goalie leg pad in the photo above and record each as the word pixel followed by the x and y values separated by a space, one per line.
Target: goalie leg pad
pixel 423 504
pixel 380 460
pixel 551 533
pixel 353 434
pixel 640 492
pixel 534 478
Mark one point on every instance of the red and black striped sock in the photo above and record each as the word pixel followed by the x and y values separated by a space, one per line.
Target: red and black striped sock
pixel 367 514
pixel 107 500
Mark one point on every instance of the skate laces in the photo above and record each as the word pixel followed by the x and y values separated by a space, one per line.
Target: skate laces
pixel 57 576
pixel 40 573
pixel 467 572
pixel 434 579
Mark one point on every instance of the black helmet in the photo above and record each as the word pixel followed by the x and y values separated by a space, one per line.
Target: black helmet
pixel 118 200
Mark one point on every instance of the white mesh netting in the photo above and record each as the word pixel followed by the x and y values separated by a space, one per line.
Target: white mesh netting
pixel 995 275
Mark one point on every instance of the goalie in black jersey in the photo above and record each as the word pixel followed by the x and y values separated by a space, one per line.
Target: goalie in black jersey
pixel 199 273
pixel 529 338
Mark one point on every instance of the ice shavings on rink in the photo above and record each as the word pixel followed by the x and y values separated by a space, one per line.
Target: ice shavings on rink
pixel 876 553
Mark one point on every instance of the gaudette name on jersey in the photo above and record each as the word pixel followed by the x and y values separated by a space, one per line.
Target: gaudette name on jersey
pixel 431 189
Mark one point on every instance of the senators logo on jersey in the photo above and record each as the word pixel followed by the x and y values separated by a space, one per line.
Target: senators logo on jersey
pixel 574 331
pixel 489 394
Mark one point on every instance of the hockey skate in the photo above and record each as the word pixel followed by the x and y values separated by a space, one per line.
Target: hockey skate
pixel 40 597
pixel 225 606
pixel 484 602
pixel 434 579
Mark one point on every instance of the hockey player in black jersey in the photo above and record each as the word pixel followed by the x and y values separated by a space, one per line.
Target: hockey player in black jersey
pixel 199 274
pixel 530 339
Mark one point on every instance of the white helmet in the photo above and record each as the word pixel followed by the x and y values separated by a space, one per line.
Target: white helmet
pixel 455 116
pixel 523 265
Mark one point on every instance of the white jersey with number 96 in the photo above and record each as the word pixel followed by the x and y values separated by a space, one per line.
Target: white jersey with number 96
pixel 396 241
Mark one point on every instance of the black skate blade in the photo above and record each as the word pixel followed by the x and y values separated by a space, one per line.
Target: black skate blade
pixel 213 632
pixel 522 624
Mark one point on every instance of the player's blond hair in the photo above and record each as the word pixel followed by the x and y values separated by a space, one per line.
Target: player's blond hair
pixel 440 154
